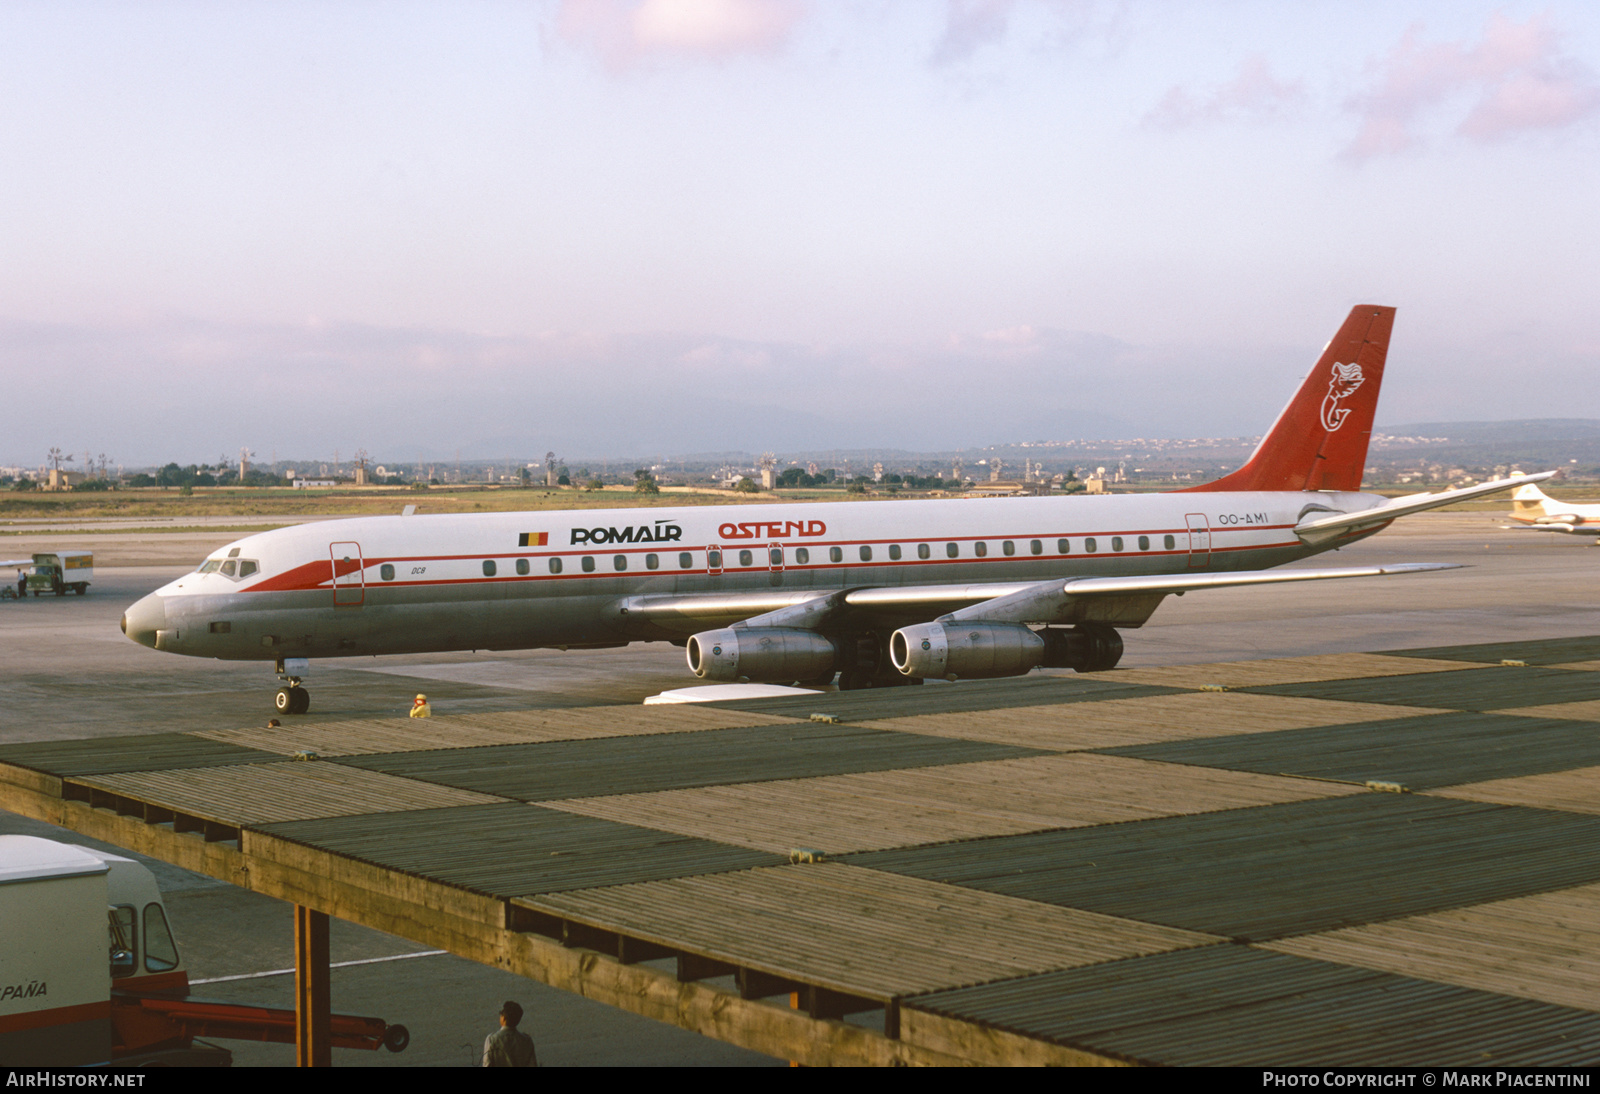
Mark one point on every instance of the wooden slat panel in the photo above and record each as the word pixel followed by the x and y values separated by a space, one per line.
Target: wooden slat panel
pixel 1279 870
pixel 629 765
pixel 1283 670
pixel 1587 710
pixel 1476 687
pixel 1576 790
pixel 264 793
pixel 938 697
pixel 860 931
pixel 1238 1006
pixel 1171 717
pixel 146 752
pixel 513 849
pixel 881 809
pixel 1431 751
pixel 1545 651
pixel 1544 947
pixel 378 735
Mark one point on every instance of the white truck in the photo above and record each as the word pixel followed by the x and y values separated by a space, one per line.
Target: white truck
pixel 90 973
pixel 59 571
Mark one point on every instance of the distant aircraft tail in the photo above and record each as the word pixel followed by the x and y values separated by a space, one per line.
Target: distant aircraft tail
pixel 1319 442
pixel 1528 501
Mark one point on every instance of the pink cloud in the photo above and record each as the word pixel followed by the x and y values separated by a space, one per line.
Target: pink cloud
pixel 627 32
pixel 1516 79
pixel 1255 95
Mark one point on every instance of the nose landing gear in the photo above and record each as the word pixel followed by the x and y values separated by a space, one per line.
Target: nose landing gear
pixel 291 698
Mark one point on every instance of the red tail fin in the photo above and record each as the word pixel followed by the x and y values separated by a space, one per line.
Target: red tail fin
pixel 1319 442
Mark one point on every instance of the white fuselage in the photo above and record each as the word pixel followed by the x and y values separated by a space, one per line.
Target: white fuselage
pixel 406 584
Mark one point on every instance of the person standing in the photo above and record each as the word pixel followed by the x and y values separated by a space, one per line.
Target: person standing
pixel 508 1046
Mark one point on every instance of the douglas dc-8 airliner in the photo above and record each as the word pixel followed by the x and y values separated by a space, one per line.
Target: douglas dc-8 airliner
pixel 881 593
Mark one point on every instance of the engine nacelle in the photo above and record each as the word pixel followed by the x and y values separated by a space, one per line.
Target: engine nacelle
pixel 763 654
pixel 972 650
pixel 1088 648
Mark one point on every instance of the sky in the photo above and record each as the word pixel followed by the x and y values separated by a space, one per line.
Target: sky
pixel 669 226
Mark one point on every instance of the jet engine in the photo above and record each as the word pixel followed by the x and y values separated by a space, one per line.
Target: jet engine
pixel 973 650
pixel 762 654
pixel 981 650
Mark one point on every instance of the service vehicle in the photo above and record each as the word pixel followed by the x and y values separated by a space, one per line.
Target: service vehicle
pixel 90 973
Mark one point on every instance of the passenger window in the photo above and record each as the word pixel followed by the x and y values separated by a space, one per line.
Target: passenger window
pixel 835 554
pixel 619 562
pixel 588 564
pixel 229 567
pixel 247 567
pixel 555 565
pixel 866 553
pixel 1064 546
pixel 714 560
pixel 923 550
pixel 802 555
pixel 775 555
pixel 894 551
pixel 685 560
pixel 1089 545
pixel 1144 543
pixel 1008 547
pixel 651 562
pixel 746 558
pixel 160 953
pixel 488 567
pixel 981 549
pixel 522 567
pixel 953 550
pixel 386 571
pixel 1170 542
pixel 1116 543
pixel 1036 547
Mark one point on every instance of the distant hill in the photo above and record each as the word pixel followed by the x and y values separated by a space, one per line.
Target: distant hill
pixel 1552 441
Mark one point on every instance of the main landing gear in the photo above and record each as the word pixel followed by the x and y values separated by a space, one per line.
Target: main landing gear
pixel 291 698
pixel 867 664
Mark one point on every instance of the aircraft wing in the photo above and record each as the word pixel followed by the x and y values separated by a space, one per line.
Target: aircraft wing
pixel 1123 601
pixel 6 563
pixel 1555 526
pixel 1320 529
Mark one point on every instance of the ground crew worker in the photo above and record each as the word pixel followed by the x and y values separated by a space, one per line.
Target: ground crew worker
pixel 508 1046
pixel 420 708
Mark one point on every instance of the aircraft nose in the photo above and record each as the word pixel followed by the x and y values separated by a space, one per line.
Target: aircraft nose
pixel 141 621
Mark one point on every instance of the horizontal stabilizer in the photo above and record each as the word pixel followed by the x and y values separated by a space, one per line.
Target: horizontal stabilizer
pixel 1323 528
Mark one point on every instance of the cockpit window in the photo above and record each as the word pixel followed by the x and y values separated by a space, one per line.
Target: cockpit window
pixel 229 567
pixel 209 566
pixel 247 567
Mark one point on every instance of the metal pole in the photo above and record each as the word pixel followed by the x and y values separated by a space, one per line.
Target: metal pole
pixel 311 996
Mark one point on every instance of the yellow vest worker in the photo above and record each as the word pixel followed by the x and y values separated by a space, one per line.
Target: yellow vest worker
pixel 420 708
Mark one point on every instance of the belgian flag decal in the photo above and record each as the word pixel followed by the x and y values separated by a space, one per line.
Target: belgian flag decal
pixel 533 539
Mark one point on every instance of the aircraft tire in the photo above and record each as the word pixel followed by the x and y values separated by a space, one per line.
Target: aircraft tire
pixel 283 701
pixel 302 701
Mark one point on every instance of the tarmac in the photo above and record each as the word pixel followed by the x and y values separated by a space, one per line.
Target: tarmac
pixel 66 672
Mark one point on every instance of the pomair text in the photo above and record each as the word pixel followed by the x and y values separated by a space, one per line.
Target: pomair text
pixel 644 533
